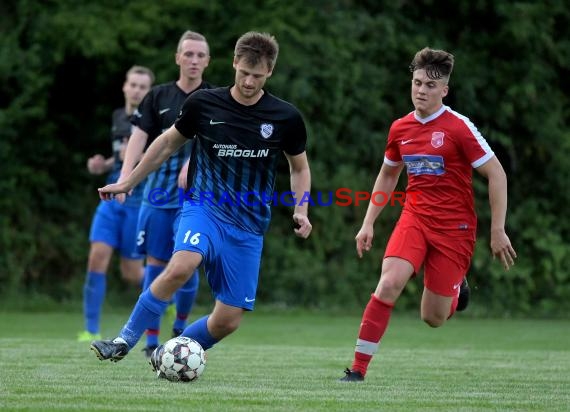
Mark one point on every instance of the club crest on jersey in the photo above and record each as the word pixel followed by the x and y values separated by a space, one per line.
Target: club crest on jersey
pixel 266 130
pixel 437 139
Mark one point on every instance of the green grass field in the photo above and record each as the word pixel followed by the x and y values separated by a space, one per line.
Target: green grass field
pixel 291 362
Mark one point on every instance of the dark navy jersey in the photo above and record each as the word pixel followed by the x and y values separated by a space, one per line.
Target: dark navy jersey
pixel 121 129
pixel 236 149
pixel 157 113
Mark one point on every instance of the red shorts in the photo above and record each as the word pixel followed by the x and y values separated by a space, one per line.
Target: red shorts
pixel 445 258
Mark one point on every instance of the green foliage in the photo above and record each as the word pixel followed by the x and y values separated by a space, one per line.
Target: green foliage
pixel 344 64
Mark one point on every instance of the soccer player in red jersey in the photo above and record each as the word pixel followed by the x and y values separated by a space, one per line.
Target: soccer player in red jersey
pixel 439 148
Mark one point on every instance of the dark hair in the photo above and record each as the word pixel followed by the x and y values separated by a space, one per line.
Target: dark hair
pixel 255 47
pixel 438 64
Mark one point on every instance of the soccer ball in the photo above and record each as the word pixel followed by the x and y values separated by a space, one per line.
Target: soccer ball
pixel 180 359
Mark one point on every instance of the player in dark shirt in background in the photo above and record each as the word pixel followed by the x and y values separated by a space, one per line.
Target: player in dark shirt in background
pixel 114 224
pixel 160 210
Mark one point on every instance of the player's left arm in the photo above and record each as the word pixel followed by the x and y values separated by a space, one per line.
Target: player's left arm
pixel 300 184
pixel 501 247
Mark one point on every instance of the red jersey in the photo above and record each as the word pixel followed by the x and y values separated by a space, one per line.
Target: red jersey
pixel 439 153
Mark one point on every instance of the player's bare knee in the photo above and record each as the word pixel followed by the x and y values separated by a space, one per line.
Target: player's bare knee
pixel 130 277
pixel 177 272
pixel 131 271
pixel 388 289
pixel 224 327
pixel 433 320
pixel 98 261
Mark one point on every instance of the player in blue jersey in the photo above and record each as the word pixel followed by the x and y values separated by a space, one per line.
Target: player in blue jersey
pixel 160 210
pixel 238 133
pixel 114 224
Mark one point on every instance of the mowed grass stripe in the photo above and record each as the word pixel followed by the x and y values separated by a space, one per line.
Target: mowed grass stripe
pixel 291 362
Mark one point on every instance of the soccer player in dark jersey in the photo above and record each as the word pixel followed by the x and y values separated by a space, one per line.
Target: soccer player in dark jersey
pixel 114 224
pixel 160 210
pixel 238 134
pixel 437 230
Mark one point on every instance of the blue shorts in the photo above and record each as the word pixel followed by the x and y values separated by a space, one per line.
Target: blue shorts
pixel 116 225
pixel 232 256
pixel 156 229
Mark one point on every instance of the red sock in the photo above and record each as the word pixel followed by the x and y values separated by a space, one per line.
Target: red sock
pixel 374 323
pixel 152 332
pixel 453 305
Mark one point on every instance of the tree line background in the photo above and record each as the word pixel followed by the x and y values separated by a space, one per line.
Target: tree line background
pixel 344 64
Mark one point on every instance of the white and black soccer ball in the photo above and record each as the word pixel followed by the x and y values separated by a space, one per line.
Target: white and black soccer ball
pixel 182 360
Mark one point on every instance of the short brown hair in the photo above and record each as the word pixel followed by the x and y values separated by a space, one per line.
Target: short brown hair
pixel 255 47
pixel 191 35
pixel 438 64
pixel 141 70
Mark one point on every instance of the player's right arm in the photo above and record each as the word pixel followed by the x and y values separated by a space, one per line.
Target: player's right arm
pixel 386 182
pixel 160 150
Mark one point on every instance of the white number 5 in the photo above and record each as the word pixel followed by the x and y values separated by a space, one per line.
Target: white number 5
pixel 140 238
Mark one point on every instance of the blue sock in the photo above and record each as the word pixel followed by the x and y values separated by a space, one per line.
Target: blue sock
pixel 147 310
pixel 185 298
pixel 93 298
pixel 152 336
pixel 151 272
pixel 198 330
